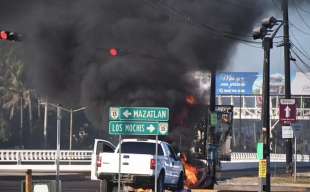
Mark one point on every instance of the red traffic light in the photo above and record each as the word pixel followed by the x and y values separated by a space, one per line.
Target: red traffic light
pixel 113 52
pixel 4 35
pixel 10 36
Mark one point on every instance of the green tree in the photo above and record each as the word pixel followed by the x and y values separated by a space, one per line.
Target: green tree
pixel 14 94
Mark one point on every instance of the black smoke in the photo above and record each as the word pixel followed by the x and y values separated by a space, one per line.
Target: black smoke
pixel 66 46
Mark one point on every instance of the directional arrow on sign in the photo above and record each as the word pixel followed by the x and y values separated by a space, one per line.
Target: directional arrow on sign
pixel 287 111
pixel 151 128
pixel 154 114
pixel 127 113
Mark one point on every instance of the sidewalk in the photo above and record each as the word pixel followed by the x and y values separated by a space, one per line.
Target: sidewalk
pixel 281 183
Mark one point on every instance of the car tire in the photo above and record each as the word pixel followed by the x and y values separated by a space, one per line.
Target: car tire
pixel 160 183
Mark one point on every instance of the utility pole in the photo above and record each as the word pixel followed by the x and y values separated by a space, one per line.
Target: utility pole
pixel 287 71
pixel 267 45
pixel 266 33
pixel 211 131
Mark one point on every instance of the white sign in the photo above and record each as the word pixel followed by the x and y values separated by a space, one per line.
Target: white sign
pixel 287 132
pixel 287 101
pixel 40 188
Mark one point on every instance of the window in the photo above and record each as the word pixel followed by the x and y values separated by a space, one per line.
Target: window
pixel 172 153
pixel 141 148
pixel 103 147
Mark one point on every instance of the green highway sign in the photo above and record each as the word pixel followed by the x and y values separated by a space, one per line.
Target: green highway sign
pixel 137 128
pixel 260 151
pixel 213 120
pixel 139 114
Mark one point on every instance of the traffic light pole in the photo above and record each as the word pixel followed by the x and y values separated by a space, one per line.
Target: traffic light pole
pixel 287 71
pixel 266 32
pixel 267 45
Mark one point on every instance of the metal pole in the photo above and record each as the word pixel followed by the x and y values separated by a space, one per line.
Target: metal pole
pixel 240 112
pixel 295 161
pixel 100 186
pixel 71 125
pixel 21 123
pixel 267 45
pixel 119 163
pixel 58 148
pixel 287 72
pixel 45 125
pixel 156 154
pixel 212 128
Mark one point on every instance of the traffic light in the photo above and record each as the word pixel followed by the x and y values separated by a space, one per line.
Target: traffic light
pixel 9 36
pixel 113 52
pixel 117 51
pixel 265 28
pixel 269 22
pixel 259 32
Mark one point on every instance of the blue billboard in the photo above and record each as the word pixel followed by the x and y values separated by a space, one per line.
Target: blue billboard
pixel 235 83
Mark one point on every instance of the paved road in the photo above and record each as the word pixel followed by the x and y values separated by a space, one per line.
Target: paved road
pixel 70 183
pixel 248 181
pixel 81 183
pixel 254 188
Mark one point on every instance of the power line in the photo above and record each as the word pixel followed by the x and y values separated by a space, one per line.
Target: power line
pixel 236 4
pixel 300 59
pixel 300 15
pixel 189 20
pixel 299 67
pixel 299 29
pixel 276 5
pixel 298 42
pixel 301 8
pixel 300 51
pixel 301 70
pixel 280 36
pixel 293 25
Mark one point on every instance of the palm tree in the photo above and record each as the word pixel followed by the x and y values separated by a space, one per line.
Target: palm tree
pixel 14 94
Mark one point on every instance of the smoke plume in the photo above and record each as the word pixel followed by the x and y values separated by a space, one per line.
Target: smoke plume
pixel 66 47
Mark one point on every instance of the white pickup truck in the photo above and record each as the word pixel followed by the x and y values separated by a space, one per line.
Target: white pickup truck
pixel 138 164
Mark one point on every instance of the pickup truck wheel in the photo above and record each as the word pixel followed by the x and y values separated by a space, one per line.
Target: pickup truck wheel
pixel 161 183
pixel 111 187
pixel 180 184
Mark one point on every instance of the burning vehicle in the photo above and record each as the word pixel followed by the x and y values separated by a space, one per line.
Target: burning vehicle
pixel 199 158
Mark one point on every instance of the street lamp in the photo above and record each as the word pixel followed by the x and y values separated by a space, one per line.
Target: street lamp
pixel 71 111
pixel 59 108
pixel 266 33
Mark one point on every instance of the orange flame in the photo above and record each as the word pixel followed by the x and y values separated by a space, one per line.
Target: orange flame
pixel 191 100
pixel 143 190
pixel 191 173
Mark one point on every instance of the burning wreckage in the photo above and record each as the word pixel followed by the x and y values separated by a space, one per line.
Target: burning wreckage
pixel 198 159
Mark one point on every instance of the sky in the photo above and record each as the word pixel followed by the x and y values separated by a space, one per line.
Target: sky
pixel 249 59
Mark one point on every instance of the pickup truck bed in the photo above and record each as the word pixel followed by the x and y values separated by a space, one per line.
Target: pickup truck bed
pixel 138 162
